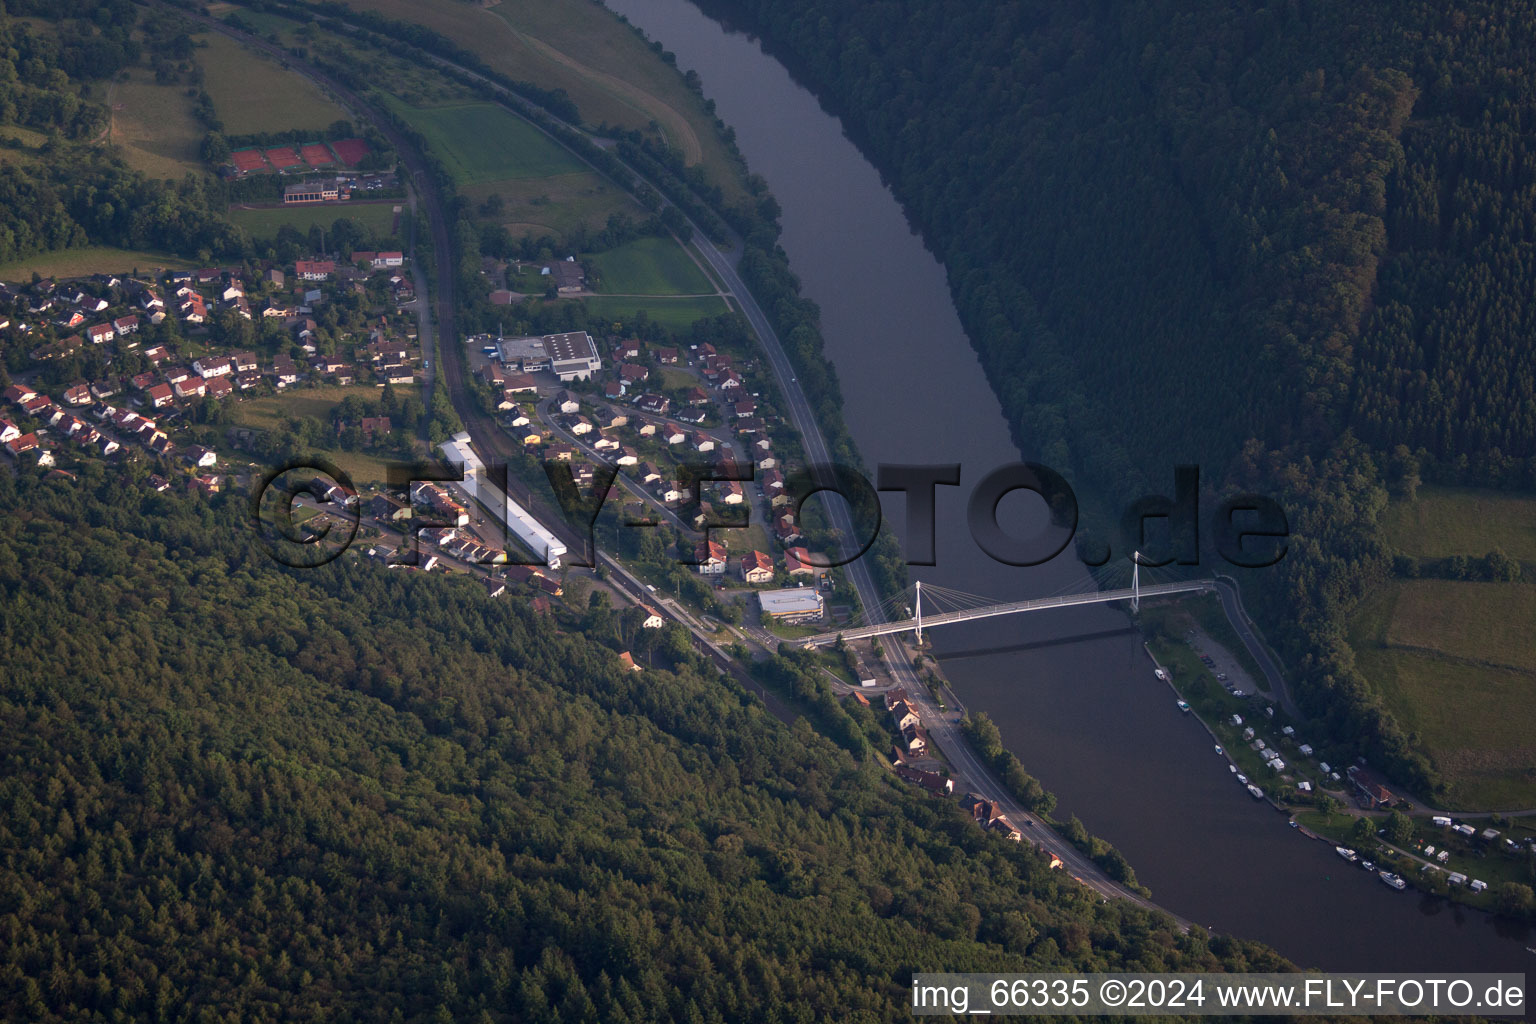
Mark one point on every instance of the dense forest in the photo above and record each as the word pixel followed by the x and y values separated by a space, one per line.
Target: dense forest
pixel 1291 242
pixel 232 791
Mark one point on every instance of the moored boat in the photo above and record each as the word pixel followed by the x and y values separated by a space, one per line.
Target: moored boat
pixel 1395 881
pixel 1346 853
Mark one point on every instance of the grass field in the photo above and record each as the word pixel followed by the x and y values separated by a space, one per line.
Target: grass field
pixel 677 314
pixel 18 145
pixel 1476 720
pixel 271 411
pixel 555 205
pixel 154 127
pixel 263 23
pixel 672 378
pixel 251 94
pixel 481 142
pixel 1487 623
pixel 95 259
pixel 650 266
pixel 576 45
pixel 1445 522
pixel 376 217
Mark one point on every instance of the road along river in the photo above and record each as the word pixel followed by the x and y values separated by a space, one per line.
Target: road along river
pixel 1071 690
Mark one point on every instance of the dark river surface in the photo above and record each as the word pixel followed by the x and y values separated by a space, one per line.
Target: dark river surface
pixel 1072 691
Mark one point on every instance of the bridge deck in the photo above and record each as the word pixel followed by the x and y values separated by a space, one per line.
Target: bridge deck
pixel 1009 608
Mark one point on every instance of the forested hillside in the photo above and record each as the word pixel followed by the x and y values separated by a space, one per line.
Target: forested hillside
pixel 236 792
pixel 1291 242
pixel 60 186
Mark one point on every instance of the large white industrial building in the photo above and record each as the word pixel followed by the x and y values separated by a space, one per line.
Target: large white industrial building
pixel 519 520
pixel 572 355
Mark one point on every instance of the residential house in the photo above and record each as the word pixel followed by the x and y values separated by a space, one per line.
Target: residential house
pixel 202 457
pixel 756 568
pixel 711 557
pixel 933 782
pixel 213 366
pixel 314 270
pixel 797 562
pixel 159 396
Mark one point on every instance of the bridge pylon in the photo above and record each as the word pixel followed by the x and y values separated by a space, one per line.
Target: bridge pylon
pixel 1135 582
pixel 919 603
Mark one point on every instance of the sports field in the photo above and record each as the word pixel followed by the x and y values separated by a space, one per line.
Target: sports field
pixel 649 266
pixel 252 94
pixel 676 314
pixel 378 218
pixel 481 142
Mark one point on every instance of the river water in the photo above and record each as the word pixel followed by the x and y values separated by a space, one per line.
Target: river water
pixel 1072 691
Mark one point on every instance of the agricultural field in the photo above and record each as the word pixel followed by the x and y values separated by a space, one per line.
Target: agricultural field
pixel 1453 662
pixel 610 73
pixel 481 142
pixel 674 313
pixel 1485 623
pixel 269 412
pixel 95 259
pixel 649 266
pixel 153 126
pixel 1445 522
pixel 251 94
pixel 378 218
pixel 554 205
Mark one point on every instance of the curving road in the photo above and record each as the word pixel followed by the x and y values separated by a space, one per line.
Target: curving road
pixel 1232 603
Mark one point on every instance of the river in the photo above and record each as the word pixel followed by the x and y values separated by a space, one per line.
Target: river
pixel 1072 691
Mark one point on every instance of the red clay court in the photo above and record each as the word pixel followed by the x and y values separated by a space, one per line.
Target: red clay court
pixel 247 160
pixel 317 154
pixel 350 151
pixel 283 158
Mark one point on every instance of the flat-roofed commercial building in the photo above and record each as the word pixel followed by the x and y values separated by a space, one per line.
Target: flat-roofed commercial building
pixel 572 356
pixel 793 604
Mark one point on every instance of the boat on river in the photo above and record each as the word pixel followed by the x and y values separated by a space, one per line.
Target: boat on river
pixel 1184 706
pixel 1346 853
pixel 1395 881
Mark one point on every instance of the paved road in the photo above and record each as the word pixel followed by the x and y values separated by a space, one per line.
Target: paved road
pixel 1232 603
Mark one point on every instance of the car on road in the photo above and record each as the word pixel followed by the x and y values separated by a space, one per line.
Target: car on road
pixel 1239 693
pixel 1221 676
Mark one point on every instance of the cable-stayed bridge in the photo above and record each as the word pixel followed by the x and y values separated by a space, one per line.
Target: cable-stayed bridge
pixel 955 606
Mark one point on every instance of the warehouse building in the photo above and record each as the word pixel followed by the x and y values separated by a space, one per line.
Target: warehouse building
pixel 793 604
pixel 518 520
